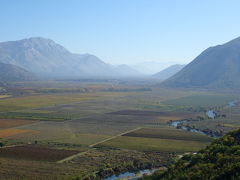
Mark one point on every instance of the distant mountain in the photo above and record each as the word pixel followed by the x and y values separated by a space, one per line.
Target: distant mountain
pixel 216 68
pixel 46 58
pixel 151 67
pixel 127 70
pixel 168 72
pixel 13 73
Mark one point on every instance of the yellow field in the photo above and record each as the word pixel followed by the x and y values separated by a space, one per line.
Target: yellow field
pixel 4 96
pixel 12 132
pixel 26 102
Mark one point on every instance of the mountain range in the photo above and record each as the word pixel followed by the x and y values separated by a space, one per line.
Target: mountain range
pixel 168 72
pixel 45 58
pixel 217 67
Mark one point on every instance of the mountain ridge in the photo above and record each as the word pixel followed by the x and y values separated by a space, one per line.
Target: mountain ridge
pixel 169 71
pixel 46 58
pixel 216 67
pixel 14 73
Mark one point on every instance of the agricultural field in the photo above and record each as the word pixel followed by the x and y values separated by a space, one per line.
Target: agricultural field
pixel 227 119
pixel 4 133
pixel 153 144
pixel 34 152
pixel 4 96
pixel 9 123
pixel 110 123
pixel 94 163
pixel 159 139
pixel 207 101
pixel 31 102
pixel 168 133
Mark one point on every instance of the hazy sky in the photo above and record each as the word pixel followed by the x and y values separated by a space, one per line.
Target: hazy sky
pixel 125 31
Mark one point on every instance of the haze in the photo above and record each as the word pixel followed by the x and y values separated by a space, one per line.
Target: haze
pixel 125 32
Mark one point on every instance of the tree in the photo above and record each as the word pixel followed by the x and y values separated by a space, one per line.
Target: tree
pixel 1 144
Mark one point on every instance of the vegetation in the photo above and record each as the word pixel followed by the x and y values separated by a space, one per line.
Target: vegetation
pixel 12 132
pixel 218 161
pixel 94 164
pixel 154 144
pixel 169 133
pixel 35 152
pixel 201 100
pixel 116 126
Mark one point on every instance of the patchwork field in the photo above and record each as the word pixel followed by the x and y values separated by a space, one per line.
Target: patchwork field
pixel 227 119
pixel 201 100
pixel 159 139
pixel 4 96
pixel 9 123
pixel 154 144
pixel 34 152
pixel 115 125
pixel 93 164
pixel 36 101
pixel 13 132
pixel 169 133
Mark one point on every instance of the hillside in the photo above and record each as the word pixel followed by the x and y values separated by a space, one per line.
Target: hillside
pixel 46 58
pixel 14 73
pixel 215 68
pixel 168 72
pixel 219 161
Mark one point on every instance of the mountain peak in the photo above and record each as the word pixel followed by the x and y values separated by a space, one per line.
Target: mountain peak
pixel 46 58
pixel 215 68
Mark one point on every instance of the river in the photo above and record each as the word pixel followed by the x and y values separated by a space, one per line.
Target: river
pixel 131 175
pixel 210 113
pixel 177 124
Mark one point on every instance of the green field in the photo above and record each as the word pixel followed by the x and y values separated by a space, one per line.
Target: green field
pixel 154 144
pixel 201 100
pixel 159 139
pixel 98 119
pixel 169 133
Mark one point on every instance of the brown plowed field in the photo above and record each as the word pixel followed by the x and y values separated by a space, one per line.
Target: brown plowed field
pixel 9 123
pixel 34 152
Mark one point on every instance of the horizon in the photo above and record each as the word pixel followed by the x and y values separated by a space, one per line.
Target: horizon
pixel 168 32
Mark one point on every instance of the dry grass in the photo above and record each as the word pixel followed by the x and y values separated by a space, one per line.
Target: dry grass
pixel 9 123
pixel 37 101
pixel 12 132
pixel 4 96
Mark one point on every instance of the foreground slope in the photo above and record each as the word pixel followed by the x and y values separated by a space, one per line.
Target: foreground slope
pixel 216 67
pixel 219 161
pixel 168 72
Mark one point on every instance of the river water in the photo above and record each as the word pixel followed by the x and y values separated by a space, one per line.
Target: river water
pixel 177 124
pixel 210 113
pixel 131 175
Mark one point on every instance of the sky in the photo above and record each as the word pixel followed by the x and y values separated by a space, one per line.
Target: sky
pixel 125 31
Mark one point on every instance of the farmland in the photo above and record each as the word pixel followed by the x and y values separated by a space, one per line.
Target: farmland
pixel 107 126
pixel 8 123
pixel 159 139
pixel 202 100
pixel 153 144
pixel 35 153
pixel 11 132
pixel 168 133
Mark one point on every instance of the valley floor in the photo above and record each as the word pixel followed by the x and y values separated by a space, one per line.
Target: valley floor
pixel 71 130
